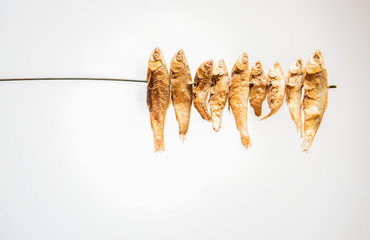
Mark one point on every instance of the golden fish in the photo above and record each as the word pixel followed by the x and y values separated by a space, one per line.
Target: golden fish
pixel 181 91
pixel 219 93
pixel 202 86
pixel 258 84
pixel 293 92
pixel 158 96
pixel 238 96
pixel 275 89
pixel 315 96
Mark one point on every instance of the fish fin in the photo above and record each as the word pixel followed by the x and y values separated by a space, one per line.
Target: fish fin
pixel 268 115
pixel 211 93
pixel 304 75
pixel 196 80
pixel 234 69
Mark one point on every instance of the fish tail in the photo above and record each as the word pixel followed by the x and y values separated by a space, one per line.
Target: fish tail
pixel 297 121
pixel 182 136
pixel 307 142
pixel 207 117
pixel 257 111
pixel 158 144
pixel 182 131
pixel 299 127
pixel 245 139
pixel 216 123
pixel 183 119
pixel 268 115
pixel 202 109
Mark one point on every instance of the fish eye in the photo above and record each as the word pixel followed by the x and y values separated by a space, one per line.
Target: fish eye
pixel 317 57
pixel 206 66
pixel 245 60
pixel 179 57
pixel 156 55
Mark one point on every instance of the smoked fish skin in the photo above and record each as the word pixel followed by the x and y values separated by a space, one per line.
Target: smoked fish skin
pixel 181 91
pixel 275 89
pixel 158 96
pixel 315 97
pixel 258 84
pixel 293 93
pixel 201 89
pixel 239 95
pixel 219 93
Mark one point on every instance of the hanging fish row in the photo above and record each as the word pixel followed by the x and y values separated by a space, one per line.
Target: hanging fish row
pixel 212 86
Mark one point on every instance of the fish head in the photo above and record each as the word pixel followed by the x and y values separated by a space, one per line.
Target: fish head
pixel 243 62
pixel 220 69
pixel 156 59
pixel 178 61
pixel 316 63
pixel 274 70
pixel 257 68
pixel 296 67
pixel 205 69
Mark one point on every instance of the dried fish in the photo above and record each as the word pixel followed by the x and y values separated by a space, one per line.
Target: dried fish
pixel 219 93
pixel 239 95
pixel 315 97
pixel 258 84
pixel 158 96
pixel 181 91
pixel 275 89
pixel 201 89
pixel 294 93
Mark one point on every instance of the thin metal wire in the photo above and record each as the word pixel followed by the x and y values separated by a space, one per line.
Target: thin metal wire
pixel 98 79
pixel 69 78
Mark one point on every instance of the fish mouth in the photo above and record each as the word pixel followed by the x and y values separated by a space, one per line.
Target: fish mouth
pixel 221 63
pixel 276 65
pixel 299 62
pixel 156 55
pixel 180 55
pixel 257 65
pixel 243 58
pixel 316 57
pixel 296 67
pixel 318 52
pixel 208 65
pixel 274 70
pixel 315 64
pixel 256 68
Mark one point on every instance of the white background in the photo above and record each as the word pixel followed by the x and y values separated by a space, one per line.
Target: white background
pixel 76 158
